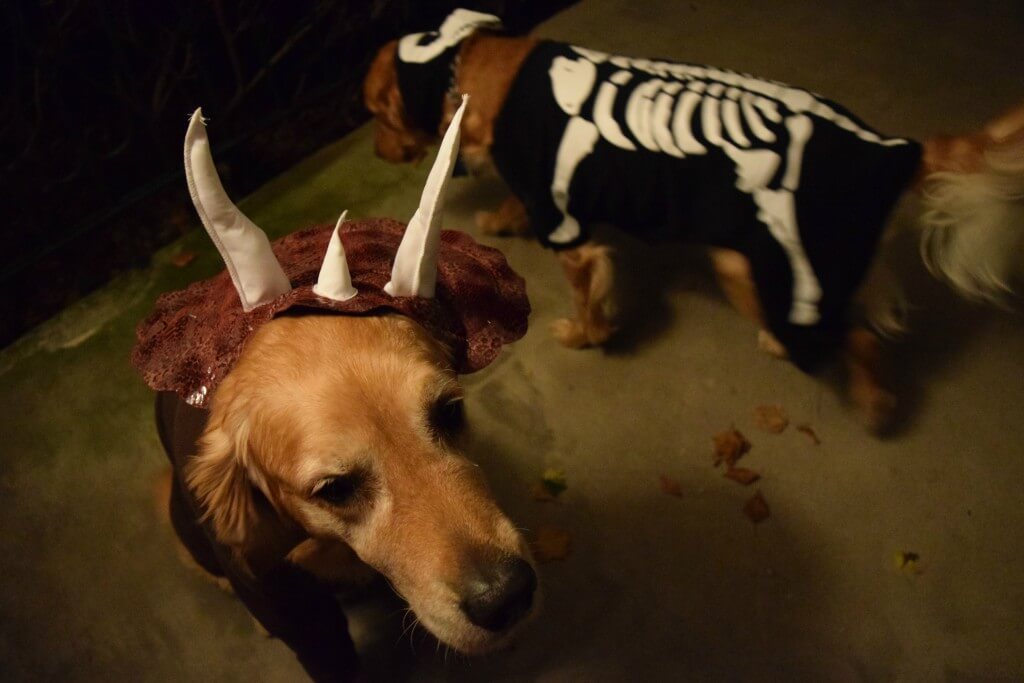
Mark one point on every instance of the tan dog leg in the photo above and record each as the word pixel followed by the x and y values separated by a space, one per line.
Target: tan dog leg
pixel 767 342
pixel 864 364
pixel 591 276
pixel 863 351
pixel 737 283
pixel 510 219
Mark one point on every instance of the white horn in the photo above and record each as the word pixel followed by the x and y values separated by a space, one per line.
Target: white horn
pixel 415 270
pixel 335 281
pixel 254 269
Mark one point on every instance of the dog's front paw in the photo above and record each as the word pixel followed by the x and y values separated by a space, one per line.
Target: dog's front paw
pixel 767 342
pixel 501 223
pixel 260 628
pixel 877 407
pixel 488 222
pixel 493 223
pixel 570 333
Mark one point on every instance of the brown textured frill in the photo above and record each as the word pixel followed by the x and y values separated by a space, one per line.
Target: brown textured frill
pixel 193 337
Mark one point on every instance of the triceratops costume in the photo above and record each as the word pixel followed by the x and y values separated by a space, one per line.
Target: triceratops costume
pixel 791 180
pixel 464 293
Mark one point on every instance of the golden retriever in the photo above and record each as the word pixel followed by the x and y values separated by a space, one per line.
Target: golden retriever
pixel 333 445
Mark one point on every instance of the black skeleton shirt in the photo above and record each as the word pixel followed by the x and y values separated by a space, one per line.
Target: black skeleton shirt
pixel 792 181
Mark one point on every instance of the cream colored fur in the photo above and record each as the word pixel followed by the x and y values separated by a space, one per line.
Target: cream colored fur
pixel 973 224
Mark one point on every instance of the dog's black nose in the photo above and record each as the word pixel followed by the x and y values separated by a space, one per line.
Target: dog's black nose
pixel 499 602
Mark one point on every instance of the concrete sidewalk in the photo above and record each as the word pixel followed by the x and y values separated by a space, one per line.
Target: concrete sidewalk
pixel 657 587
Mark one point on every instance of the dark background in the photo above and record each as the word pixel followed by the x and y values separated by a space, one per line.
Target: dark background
pixel 96 95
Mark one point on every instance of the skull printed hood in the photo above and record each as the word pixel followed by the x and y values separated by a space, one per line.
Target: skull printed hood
pixel 426 62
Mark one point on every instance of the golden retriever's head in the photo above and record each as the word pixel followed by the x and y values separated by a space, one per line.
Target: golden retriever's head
pixel 347 428
pixel 396 139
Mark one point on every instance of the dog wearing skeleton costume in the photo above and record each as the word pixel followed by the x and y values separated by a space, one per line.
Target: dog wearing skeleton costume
pixel 791 191
pixel 310 407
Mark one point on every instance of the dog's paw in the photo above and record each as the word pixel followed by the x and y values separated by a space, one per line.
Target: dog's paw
pixel 487 222
pixel 260 628
pixel 877 408
pixel 767 342
pixel 499 224
pixel 600 331
pixel 570 333
pixel 491 223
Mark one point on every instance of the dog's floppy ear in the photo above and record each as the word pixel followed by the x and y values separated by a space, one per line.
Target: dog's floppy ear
pixel 224 479
pixel 380 89
pixel 219 479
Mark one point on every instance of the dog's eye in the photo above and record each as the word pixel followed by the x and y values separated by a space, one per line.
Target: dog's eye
pixel 339 490
pixel 447 416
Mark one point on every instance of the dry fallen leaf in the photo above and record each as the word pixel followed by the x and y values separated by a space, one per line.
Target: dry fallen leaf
pixel 549 486
pixel 811 434
pixel 729 447
pixel 770 418
pixel 908 562
pixel 742 475
pixel 183 258
pixel 550 544
pixel 670 486
pixel 554 481
pixel 756 509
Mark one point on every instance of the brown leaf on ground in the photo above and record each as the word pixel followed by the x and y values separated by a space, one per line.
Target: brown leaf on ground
pixel 908 562
pixel 811 434
pixel 670 486
pixel 554 481
pixel 770 418
pixel 550 544
pixel 551 484
pixel 183 258
pixel 742 475
pixel 730 446
pixel 756 509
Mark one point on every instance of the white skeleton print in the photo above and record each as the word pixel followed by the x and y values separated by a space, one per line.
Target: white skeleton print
pixel 661 114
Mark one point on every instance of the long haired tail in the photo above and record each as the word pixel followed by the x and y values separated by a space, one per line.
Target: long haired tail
pixel 973 222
